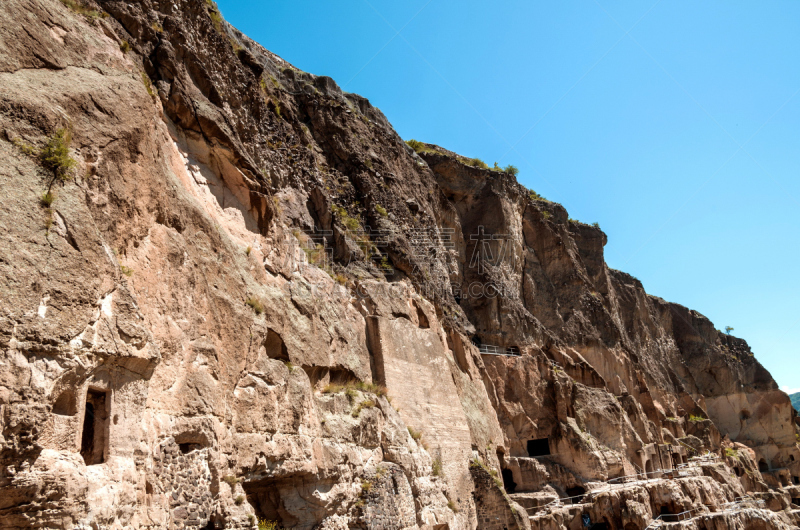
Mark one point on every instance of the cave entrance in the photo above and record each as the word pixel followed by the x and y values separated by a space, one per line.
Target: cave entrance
pixel 631 526
pixel 576 494
pixel 668 513
pixel 94 435
pixel 275 347
pixel 796 480
pixel 648 467
pixel 265 498
pixel 796 501
pixel 508 481
pixel 512 350
pixel 763 466
pixel 539 447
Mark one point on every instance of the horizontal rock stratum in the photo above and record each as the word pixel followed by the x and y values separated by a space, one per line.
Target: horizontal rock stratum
pixel 231 296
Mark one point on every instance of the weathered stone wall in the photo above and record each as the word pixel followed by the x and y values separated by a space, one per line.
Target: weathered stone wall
pixel 495 510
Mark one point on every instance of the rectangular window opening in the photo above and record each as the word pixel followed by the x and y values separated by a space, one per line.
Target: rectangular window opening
pixel 540 447
pixel 94 436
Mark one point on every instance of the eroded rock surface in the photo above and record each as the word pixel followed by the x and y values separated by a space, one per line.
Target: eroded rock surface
pixel 252 300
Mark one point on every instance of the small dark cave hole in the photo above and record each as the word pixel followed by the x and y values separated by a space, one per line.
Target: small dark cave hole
pixel 512 350
pixel 275 347
pixel 763 466
pixel 188 447
pixel 576 491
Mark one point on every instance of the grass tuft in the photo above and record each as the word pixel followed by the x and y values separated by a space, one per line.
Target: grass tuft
pixel 415 434
pixel 148 85
pixel 47 198
pixel 79 8
pixel 381 210
pixel 436 467
pixel 366 404
pixel 127 271
pixel 124 46
pixel 476 162
pixel 256 304
pixel 215 15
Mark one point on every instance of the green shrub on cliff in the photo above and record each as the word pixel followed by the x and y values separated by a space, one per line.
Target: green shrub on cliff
pixel 55 154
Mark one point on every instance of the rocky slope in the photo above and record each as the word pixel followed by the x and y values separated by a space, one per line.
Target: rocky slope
pixel 229 292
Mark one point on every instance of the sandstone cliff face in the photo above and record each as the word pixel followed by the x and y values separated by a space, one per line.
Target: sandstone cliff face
pixel 251 300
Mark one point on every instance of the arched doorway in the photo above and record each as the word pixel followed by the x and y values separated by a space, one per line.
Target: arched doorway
pixel 763 466
pixel 648 467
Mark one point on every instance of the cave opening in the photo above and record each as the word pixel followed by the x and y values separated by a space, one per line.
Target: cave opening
pixel 188 447
pixel 667 513
pixel 763 466
pixel 275 347
pixel 796 480
pixel 94 434
pixel 577 492
pixel 648 467
pixel 512 350
pixel 796 501
pixel 508 481
pixel 539 447
pixel 265 498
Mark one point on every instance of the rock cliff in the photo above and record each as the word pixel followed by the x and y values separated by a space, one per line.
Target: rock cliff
pixel 232 297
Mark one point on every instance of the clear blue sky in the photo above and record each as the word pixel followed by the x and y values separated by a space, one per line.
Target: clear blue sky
pixel 674 124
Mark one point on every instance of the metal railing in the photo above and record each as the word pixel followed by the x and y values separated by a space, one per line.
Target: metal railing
pixel 674 517
pixel 561 500
pixel 737 505
pixel 488 349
